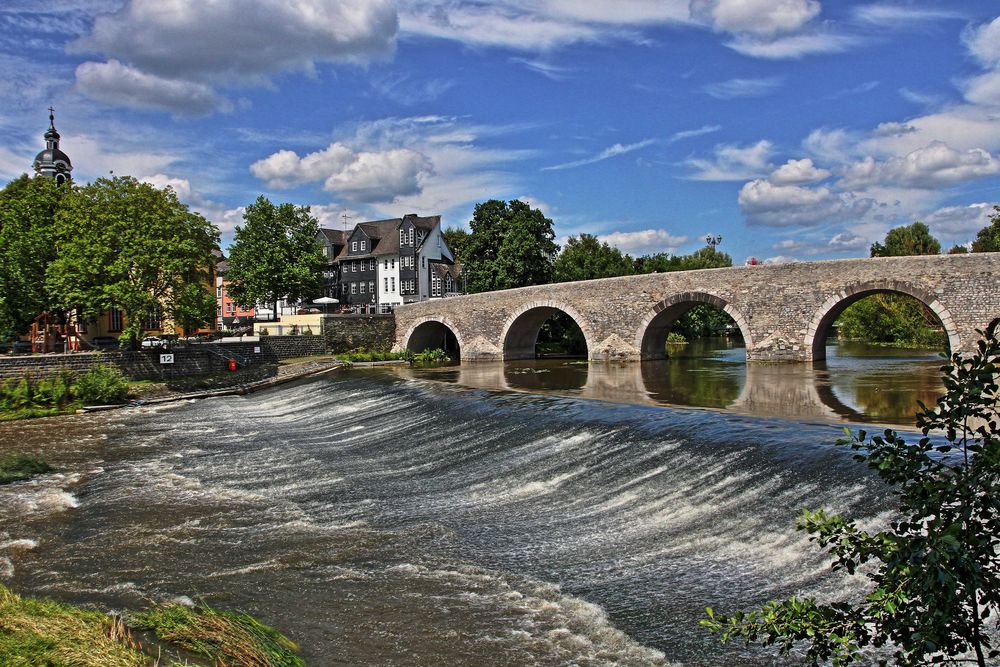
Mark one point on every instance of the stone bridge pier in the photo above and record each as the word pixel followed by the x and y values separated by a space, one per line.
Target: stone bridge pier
pixel 785 312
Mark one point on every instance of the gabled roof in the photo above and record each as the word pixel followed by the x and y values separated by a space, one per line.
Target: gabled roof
pixel 335 236
pixel 384 234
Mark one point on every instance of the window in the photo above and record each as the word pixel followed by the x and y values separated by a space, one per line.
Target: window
pixel 354 267
pixel 362 288
pixel 371 286
pixel 392 263
pixel 371 264
pixel 392 281
pixel 423 262
pixel 354 288
pixel 411 235
pixel 362 245
pixel 402 237
pixel 436 286
pixel 386 263
pixel 218 292
pixel 354 246
pixel 114 319
pixel 386 284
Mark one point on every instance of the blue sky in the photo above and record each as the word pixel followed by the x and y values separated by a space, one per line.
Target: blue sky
pixel 796 129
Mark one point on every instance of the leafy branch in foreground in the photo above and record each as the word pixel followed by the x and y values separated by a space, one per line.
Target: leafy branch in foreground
pixel 935 571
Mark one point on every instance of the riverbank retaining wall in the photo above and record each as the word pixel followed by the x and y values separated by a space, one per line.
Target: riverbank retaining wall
pixel 345 333
pixel 204 359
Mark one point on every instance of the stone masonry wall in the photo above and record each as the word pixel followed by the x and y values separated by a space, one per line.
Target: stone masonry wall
pixel 784 311
pixel 287 347
pixel 144 364
pixel 344 333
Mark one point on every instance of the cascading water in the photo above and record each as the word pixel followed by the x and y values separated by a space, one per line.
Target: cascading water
pixel 381 520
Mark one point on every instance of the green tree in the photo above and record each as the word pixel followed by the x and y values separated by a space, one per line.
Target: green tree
pixel 27 215
pixel 194 306
pixel 511 245
pixel 988 238
pixel 275 255
pixel 912 239
pixel 126 244
pixel 958 250
pixel 934 570
pixel 457 239
pixel 585 258
pixel 891 319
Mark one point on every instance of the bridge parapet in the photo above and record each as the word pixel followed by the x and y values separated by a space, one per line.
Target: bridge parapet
pixel 784 311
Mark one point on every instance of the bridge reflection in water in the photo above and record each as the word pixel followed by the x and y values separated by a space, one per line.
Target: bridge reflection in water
pixel 856 383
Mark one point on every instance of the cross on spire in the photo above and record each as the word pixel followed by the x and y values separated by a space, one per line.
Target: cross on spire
pixel 52 117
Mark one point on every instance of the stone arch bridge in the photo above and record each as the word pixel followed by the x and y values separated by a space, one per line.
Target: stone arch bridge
pixel 783 311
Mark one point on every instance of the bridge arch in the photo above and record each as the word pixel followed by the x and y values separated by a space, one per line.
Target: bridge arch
pixel 651 336
pixel 520 331
pixel 428 333
pixel 822 321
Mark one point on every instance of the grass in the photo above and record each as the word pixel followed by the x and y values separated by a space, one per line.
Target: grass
pixel 19 467
pixel 225 637
pixel 35 631
pixel 315 357
pixel 44 632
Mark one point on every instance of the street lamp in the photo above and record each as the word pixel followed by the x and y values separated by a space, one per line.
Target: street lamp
pixel 713 241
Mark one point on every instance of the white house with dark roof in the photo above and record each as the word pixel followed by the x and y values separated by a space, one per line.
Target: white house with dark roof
pixel 381 264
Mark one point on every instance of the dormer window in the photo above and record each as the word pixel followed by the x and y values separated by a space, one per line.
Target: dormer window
pixel 362 244
pixel 354 246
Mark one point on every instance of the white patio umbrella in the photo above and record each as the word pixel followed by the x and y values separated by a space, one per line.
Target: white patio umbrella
pixel 325 301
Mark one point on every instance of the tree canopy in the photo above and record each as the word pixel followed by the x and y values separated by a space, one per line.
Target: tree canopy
pixel 988 238
pixel 585 258
pixel 457 239
pixel 511 245
pixel 27 246
pixel 912 239
pixel 126 244
pixel 275 255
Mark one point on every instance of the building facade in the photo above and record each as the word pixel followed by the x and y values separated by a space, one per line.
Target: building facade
pixel 381 264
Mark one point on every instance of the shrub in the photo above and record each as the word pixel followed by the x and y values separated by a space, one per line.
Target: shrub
pixel 433 357
pixel 18 467
pixel 31 395
pixel 102 384
pixel 294 331
pixel 934 569
pixel 264 332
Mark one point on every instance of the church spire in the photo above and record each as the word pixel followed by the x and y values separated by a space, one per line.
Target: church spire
pixel 52 162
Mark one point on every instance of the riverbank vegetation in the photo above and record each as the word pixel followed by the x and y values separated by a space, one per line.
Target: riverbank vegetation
pixel 63 393
pixel 892 320
pixel 37 631
pixel 934 572
pixel 19 467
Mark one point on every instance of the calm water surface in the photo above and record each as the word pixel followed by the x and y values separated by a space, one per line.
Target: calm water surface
pixel 387 519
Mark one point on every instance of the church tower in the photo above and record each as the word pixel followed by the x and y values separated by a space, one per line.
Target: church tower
pixel 52 162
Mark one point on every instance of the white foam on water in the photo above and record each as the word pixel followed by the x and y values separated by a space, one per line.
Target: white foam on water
pixel 44 501
pixel 21 544
pixel 182 600
pixel 543 487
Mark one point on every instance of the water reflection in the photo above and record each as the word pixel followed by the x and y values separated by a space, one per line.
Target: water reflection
pixel 856 382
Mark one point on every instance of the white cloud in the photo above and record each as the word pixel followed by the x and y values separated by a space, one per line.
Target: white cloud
pixel 182 38
pixel 797 172
pixel 688 134
pixel 168 54
pixel 792 46
pixel 762 18
pixel 984 89
pixel 180 186
pixel 733 163
pixel 764 203
pixel 831 145
pixel 644 242
pixel 846 241
pixel 546 69
pixel 958 223
pixel 118 84
pixel 537 26
pixel 780 259
pixel 365 176
pixel 895 16
pixel 609 152
pixel 983 42
pixel 739 88
pixel 934 166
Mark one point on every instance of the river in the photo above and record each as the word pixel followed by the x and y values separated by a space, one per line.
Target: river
pixel 391 518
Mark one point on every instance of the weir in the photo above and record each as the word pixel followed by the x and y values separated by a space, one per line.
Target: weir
pixel 784 311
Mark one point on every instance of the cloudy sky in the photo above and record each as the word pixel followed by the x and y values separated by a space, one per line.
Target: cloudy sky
pixel 796 129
